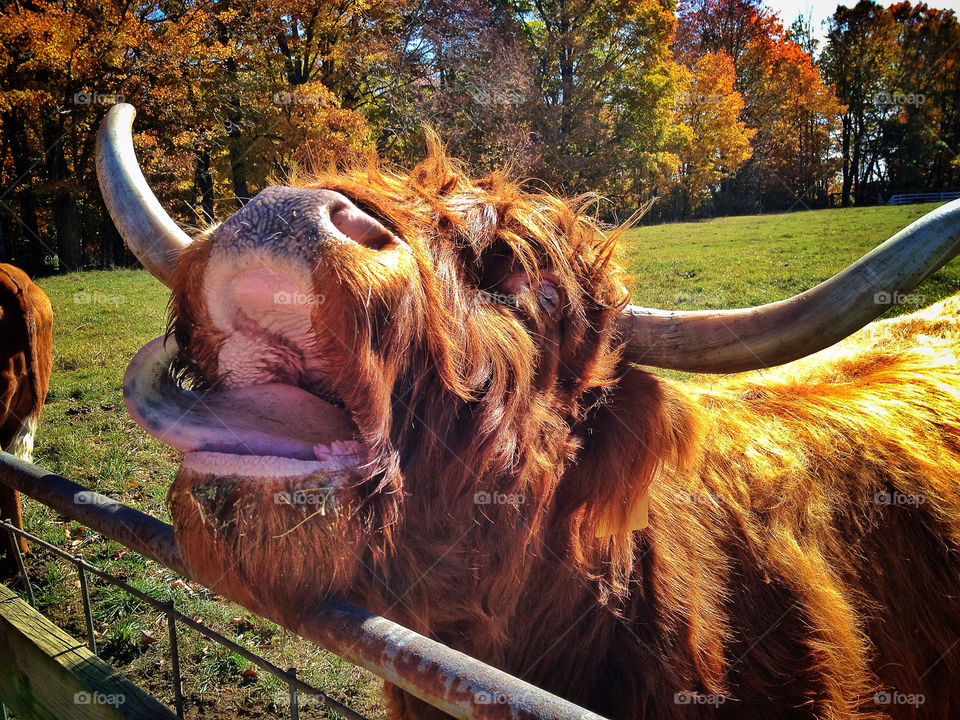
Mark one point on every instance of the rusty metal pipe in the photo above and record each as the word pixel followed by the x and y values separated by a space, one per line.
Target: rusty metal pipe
pixel 128 526
pixel 447 679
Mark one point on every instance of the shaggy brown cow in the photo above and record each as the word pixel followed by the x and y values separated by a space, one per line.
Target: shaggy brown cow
pixel 26 345
pixel 420 393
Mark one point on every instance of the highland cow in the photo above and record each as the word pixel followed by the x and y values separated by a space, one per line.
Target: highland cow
pixel 425 394
pixel 26 347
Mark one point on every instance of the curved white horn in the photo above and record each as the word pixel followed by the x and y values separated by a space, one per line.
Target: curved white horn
pixel 149 232
pixel 723 341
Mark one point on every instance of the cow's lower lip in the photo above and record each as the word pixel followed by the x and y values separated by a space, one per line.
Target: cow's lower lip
pixel 307 483
pixel 269 430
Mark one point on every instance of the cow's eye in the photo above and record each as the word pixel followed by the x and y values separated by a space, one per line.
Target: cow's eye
pixel 548 295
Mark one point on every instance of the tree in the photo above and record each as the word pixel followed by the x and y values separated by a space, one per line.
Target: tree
pixel 63 64
pixel 794 114
pixel 858 60
pixel 474 83
pixel 921 129
pixel 215 115
pixel 718 143
pixel 786 103
pixel 606 81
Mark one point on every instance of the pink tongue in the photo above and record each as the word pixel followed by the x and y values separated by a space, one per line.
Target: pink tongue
pixel 272 419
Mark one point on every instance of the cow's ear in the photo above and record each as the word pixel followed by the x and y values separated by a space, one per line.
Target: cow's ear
pixel 646 427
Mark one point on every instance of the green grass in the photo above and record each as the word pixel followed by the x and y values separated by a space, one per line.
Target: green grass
pixel 744 261
pixel 103 318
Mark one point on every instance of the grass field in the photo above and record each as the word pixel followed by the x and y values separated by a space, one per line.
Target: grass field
pixel 103 318
pixel 742 261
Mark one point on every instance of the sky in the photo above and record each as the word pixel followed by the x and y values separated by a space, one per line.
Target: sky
pixel 820 10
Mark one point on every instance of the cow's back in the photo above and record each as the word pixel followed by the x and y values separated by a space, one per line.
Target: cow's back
pixel 826 506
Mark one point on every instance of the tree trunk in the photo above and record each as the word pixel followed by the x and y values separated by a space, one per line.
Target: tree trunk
pixel 856 157
pixel 566 85
pixel 16 132
pixel 238 159
pixel 111 238
pixel 112 249
pixel 238 154
pixel 203 182
pixel 65 216
pixel 845 192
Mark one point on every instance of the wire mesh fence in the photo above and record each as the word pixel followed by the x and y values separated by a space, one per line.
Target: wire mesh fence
pixel 289 676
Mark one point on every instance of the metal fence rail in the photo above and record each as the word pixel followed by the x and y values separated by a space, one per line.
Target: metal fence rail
pixel 433 672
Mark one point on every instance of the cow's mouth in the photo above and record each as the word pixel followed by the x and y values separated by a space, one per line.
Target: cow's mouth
pixel 268 468
pixel 273 432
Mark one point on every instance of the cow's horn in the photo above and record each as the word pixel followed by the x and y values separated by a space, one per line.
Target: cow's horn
pixel 723 341
pixel 149 232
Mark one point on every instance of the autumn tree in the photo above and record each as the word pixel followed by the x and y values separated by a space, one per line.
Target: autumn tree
pixel 786 102
pixel 606 83
pixel 727 26
pixel 475 85
pixel 716 143
pixel 721 111
pixel 61 66
pixel 225 91
pixel 858 61
pixel 920 129
pixel 304 77
pixel 794 114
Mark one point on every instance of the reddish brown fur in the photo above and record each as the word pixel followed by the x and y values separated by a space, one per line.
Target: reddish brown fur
pixel 768 575
pixel 26 346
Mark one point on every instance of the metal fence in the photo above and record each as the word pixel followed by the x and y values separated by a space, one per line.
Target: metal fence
pixel 294 684
pixel 433 672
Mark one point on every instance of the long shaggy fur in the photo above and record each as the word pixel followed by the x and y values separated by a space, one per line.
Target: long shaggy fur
pixel 26 345
pixel 801 555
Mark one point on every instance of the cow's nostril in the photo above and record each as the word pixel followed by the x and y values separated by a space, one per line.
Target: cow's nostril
pixel 361 228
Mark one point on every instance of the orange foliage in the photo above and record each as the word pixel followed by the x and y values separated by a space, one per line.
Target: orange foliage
pixel 719 142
